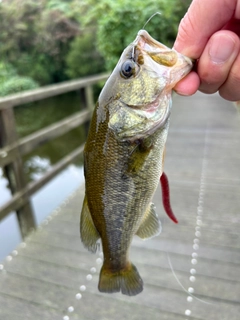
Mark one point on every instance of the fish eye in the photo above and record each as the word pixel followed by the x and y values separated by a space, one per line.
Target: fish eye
pixel 128 68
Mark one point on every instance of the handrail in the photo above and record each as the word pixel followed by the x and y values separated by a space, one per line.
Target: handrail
pixel 49 91
pixel 32 141
pixel 12 149
pixel 20 198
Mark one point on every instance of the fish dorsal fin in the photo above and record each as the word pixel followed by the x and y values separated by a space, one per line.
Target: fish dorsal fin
pixel 150 225
pixel 88 232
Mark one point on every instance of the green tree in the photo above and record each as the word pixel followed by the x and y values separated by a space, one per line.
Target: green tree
pixel 83 58
pixel 119 22
pixel 11 82
pixel 39 38
pixel 53 40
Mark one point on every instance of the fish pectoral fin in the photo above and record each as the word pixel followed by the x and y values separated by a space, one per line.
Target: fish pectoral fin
pixel 88 232
pixel 150 225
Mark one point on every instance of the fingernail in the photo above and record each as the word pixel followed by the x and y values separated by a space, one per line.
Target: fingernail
pixel 221 48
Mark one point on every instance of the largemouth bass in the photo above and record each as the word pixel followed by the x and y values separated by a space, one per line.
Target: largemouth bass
pixel 123 157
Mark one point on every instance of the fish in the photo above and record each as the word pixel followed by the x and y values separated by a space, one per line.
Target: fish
pixel 124 155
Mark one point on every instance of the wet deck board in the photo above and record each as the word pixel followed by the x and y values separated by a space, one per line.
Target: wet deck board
pixel 202 162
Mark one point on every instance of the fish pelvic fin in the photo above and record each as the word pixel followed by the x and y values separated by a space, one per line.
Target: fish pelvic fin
pixel 88 232
pixel 150 225
pixel 127 280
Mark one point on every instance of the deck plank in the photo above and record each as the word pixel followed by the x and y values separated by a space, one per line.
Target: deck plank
pixel 201 252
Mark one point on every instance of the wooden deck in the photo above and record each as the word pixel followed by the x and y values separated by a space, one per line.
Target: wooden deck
pixel 51 276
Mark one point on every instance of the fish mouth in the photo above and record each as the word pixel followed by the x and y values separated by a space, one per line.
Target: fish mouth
pixel 156 50
pixel 177 64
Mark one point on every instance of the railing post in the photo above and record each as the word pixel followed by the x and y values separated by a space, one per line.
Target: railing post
pixel 14 171
pixel 87 102
pixel 89 98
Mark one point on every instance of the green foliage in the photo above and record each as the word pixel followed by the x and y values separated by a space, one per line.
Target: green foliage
pixel 53 40
pixel 6 71
pixel 39 37
pixel 17 84
pixel 122 20
pixel 11 82
pixel 59 5
pixel 83 58
pixel 35 66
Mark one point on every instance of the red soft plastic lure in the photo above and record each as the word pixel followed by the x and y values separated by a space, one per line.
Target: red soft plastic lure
pixel 166 197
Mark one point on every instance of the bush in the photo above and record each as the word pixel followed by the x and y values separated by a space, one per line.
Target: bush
pixel 6 71
pixel 53 40
pixel 35 37
pixel 119 25
pixel 83 58
pixel 16 84
pixel 36 66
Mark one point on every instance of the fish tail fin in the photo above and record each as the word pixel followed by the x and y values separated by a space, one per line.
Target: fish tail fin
pixel 126 280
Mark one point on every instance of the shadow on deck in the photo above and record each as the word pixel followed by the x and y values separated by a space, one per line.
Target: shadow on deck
pixel 51 275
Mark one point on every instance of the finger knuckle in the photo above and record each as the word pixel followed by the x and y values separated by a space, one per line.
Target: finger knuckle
pixel 186 27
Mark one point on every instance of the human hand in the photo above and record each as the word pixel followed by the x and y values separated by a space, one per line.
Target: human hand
pixel 209 33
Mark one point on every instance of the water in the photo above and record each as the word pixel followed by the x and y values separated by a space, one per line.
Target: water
pixel 32 117
pixel 29 118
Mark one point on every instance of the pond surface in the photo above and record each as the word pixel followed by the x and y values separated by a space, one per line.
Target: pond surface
pixel 30 118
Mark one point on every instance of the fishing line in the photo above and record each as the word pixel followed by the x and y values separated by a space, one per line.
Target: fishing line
pixel 181 285
pixel 178 281
pixel 149 19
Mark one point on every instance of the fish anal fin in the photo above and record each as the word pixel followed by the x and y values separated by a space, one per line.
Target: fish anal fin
pixel 127 281
pixel 150 225
pixel 88 232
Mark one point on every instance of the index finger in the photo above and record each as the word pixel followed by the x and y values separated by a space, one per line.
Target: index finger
pixel 203 18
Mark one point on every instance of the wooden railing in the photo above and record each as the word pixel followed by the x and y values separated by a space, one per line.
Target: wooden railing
pixel 12 149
